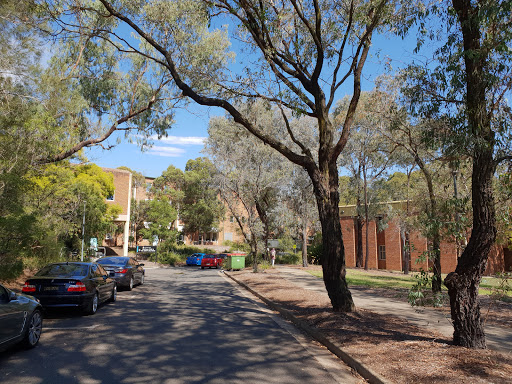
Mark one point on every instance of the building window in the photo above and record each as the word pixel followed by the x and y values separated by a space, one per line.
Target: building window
pixel 382 252
pixel 110 197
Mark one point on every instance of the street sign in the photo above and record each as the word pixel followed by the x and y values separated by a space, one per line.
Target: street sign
pixel 94 243
pixel 146 249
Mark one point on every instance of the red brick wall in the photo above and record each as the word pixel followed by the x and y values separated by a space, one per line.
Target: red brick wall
pixel 419 246
pixel 349 240
pixel 496 261
pixel 499 260
pixel 372 244
pixel 448 257
pixel 393 247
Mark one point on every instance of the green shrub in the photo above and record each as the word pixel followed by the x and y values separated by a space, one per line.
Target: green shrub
pixel 315 253
pixel 288 258
pixel 170 258
pixel 264 265
pixel 286 244
pixel 10 267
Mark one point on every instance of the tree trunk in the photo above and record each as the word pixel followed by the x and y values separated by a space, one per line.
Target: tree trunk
pixel 262 213
pixel 463 284
pixel 404 235
pixel 254 253
pixel 359 241
pixel 436 266
pixel 366 220
pixel 333 256
pixel 434 234
pixel 304 244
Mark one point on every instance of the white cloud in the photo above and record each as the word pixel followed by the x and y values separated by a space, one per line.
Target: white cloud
pixel 178 140
pixel 166 151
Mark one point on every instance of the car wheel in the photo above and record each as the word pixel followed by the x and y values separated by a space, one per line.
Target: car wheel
pixel 130 285
pixel 34 329
pixel 93 305
pixel 113 298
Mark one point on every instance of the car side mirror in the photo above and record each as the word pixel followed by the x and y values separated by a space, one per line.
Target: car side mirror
pixel 12 296
pixel 141 265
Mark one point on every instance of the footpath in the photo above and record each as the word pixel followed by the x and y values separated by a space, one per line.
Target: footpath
pixel 498 338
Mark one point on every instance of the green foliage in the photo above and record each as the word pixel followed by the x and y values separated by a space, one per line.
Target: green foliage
pixel 421 293
pixel 11 266
pixel 264 265
pixel 160 216
pixel 315 250
pixel 289 258
pixel 286 244
pixel 43 220
pixel 503 290
pixel 234 246
pixel 200 209
pixel 170 258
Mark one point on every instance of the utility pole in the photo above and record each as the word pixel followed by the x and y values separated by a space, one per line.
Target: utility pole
pixel 83 234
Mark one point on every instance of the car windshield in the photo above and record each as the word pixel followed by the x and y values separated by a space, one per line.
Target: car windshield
pixel 113 260
pixel 64 270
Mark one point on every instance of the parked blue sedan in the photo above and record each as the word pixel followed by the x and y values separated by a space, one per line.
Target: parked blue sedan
pixel 195 259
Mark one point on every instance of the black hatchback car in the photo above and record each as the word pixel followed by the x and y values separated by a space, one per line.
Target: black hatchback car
pixel 72 284
pixel 127 271
pixel 21 319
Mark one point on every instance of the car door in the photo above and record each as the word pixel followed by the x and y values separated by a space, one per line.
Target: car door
pixel 136 270
pixel 12 316
pixel 102 284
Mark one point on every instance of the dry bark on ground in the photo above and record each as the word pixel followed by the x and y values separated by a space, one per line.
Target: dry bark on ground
pixel 390 346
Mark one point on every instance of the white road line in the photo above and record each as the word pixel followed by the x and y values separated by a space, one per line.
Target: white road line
pixel 70 328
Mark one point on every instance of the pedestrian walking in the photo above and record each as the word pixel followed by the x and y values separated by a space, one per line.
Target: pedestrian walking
pixel 273 256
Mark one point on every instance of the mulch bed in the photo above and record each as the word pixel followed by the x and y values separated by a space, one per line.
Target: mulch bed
pixel 388 345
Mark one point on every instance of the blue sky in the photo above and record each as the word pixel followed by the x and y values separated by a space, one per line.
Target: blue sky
pixel 184 142
pixel 186 136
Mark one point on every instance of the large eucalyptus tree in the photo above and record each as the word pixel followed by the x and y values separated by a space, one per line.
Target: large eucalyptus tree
pixel 467 84
pixel 297 55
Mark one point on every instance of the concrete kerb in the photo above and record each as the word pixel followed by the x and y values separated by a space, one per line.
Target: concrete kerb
pixel 365 372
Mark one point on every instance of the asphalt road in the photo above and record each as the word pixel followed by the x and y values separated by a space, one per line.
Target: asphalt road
pixel 184 325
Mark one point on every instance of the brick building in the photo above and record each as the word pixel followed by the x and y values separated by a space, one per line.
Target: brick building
pixel 385 246
pixel 126 189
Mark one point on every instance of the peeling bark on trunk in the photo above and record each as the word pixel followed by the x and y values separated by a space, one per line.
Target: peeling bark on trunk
pixel 463 284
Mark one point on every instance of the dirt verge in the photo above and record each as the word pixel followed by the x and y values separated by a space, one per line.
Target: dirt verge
pixel 388 345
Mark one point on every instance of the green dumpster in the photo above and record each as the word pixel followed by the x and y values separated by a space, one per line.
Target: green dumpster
pixel 235 262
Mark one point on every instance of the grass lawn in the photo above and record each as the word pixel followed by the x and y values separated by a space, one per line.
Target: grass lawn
pixel 394 280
